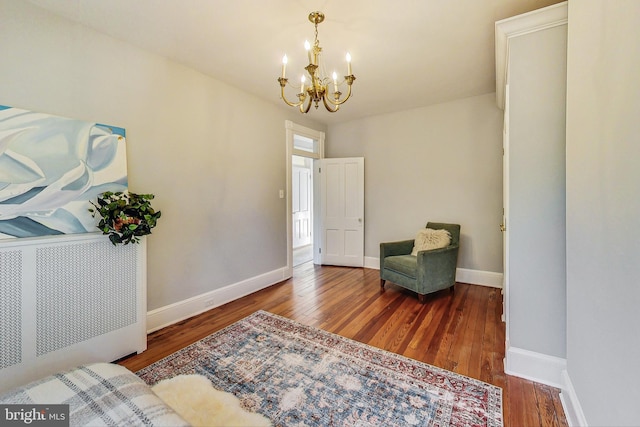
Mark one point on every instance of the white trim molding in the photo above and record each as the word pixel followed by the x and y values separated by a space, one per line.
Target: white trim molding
pixel 479 277
pixel 463 275
pixel 572 408
pixel 536 20
pixel 173 313
pixel 534 366
pixel 372 262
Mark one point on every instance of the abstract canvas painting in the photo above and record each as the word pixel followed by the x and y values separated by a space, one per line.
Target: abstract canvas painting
pixel 50 167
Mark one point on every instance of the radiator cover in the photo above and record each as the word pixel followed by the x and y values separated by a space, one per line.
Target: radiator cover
pixel 66 301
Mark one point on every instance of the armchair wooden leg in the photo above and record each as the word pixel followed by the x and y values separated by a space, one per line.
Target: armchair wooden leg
pixel 382 282
pixel 422 298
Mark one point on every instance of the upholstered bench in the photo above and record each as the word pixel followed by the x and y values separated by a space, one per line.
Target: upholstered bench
pixel 105 394
pixel 99 394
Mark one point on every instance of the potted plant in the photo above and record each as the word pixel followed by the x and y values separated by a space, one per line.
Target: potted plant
pixel 125 216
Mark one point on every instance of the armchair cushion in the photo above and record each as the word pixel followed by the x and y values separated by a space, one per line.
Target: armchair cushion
pixel 403 264
pixel 428 239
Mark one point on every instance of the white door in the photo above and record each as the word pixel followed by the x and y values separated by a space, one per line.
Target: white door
pixel 301 206
pixel 342 211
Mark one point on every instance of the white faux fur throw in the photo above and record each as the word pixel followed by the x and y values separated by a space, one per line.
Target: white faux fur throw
pixel 428 239
pixel 194 398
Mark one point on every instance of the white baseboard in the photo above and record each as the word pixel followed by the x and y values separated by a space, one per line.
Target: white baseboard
pixel 170 314
pixel 534 366
pixel 570 403
pixel 479 277
pixel 371 262
pixel 463 275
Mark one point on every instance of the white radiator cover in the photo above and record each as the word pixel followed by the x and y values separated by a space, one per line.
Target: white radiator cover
pixel 66 301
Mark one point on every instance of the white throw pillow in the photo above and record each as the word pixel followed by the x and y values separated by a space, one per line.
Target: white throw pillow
pixel 428 239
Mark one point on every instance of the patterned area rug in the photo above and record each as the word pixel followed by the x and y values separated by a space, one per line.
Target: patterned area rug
pixel 302 376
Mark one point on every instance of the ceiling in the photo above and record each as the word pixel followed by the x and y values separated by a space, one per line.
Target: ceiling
pixel 406 53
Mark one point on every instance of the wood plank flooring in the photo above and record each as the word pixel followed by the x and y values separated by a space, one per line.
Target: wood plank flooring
pixel 460 331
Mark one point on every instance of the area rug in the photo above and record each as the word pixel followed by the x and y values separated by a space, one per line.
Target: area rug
pixel 298 375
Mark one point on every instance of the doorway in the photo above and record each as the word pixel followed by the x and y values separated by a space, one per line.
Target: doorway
pixel 303 147
pixel 302 209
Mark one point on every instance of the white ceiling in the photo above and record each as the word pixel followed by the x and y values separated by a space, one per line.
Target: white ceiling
pixel 406 53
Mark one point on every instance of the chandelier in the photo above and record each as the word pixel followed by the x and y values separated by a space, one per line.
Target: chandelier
pixel 317 89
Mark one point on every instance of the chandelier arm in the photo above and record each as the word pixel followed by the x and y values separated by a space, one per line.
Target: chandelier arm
pixel 328 106
pixel 304 109
pixel 283 82
pixel 339 102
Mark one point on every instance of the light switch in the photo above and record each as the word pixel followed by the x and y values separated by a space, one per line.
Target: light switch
pixel 282 194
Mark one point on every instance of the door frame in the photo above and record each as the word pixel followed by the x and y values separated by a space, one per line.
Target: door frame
pixel 505 226
pixel 292 129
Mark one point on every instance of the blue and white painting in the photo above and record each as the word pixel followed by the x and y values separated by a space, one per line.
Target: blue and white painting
pixel 50 167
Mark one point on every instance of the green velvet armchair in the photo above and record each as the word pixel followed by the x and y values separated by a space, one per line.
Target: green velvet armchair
pixel 429 271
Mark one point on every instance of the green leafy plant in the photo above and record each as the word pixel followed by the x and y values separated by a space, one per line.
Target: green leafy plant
pixel 125 216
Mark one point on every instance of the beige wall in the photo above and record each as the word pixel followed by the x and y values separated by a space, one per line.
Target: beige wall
pixel 213 155
pixel 603 209
pixel 437 163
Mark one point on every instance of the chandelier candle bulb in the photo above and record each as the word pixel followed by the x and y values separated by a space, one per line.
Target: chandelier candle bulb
pixel 307 46
pixel 284 65
pixel 335 82
pixel 348 64
pixel 302 79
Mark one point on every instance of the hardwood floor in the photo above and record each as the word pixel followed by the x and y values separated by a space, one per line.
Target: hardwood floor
pixel 459 331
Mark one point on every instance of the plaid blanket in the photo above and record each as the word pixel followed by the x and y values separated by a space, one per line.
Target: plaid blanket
pixel 100 394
